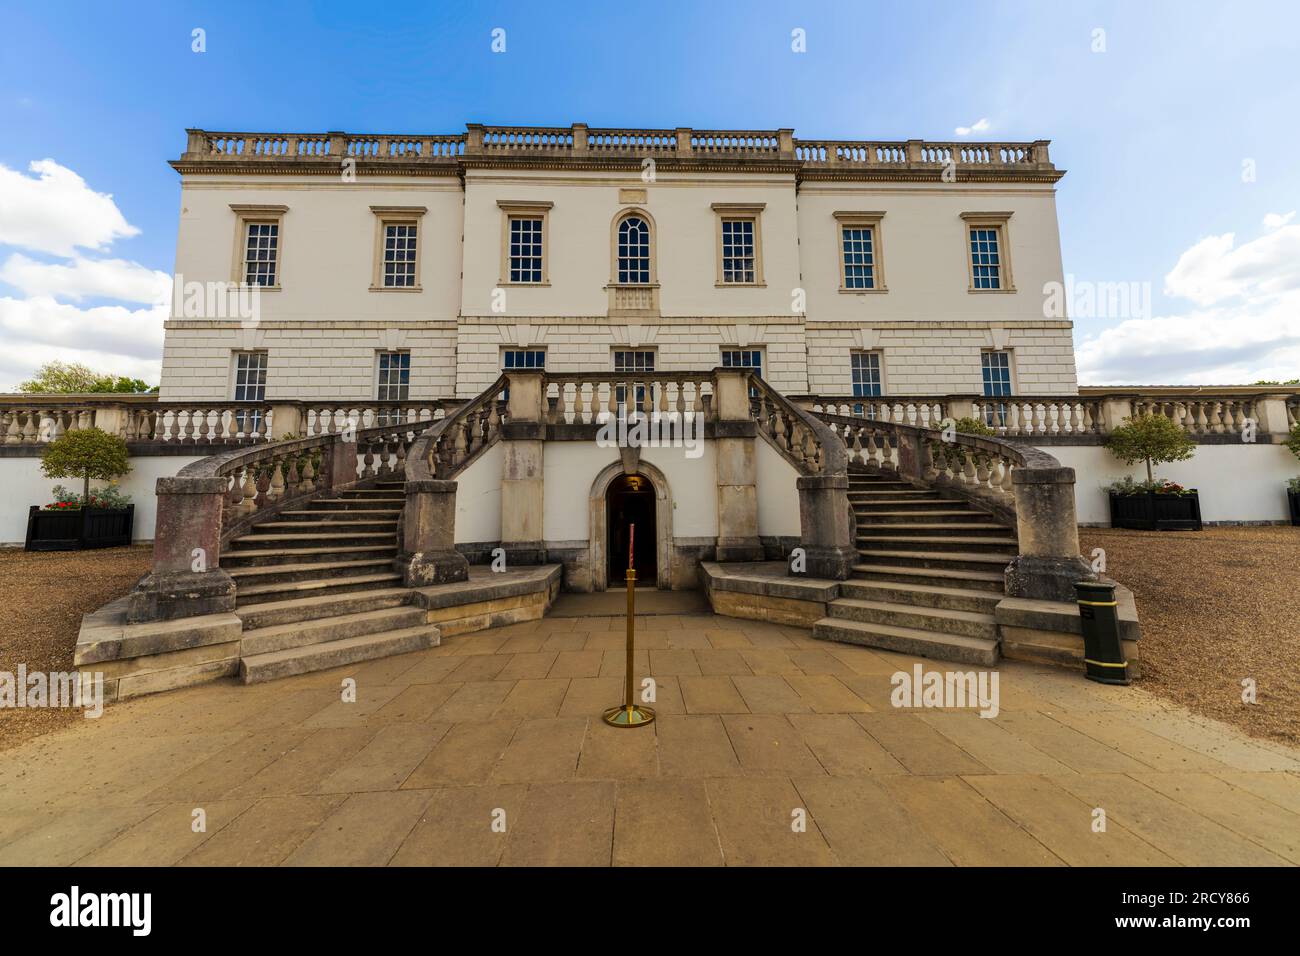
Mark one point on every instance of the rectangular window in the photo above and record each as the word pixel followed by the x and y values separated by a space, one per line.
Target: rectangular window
pixel 523 358
pixel 865 367
pixel 630 362
pixel 985 257
pixel 261 253
pixel 738 259
pixel 859 251
pixel 744 358
pixel 995 367
pixel 394 376
pixel 525 249
pixel 250 386
pixel 399 254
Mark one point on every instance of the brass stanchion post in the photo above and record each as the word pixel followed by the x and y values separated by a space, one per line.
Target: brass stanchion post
pixel 630 713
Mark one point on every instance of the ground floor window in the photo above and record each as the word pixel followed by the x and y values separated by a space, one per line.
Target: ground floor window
pixel 865 370
pixel 630 362
pixel 250 386
pixel 995 367
pixel 393 374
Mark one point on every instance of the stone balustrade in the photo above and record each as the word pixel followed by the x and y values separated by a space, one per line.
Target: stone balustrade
pixel 921 411
pixel 206 147
pixel 585 398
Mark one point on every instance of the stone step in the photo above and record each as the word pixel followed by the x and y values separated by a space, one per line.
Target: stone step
pixel 870 540
pixel 936 516
pixel 319 606
pixel 906 640
pixel 976 580
pixel 892 494
pixel 332 528
pixel 946 560
pixel 355 504
pixel 943 620
pixel 319 657
pixel 959 527
pixel 885 484
pixel 359 494
pixel 288 590
pixel 263 540
pixel 281 637
pixel 266 574
pixel 922 595
pixel 262 557
pixel 341 515
pixel 913 506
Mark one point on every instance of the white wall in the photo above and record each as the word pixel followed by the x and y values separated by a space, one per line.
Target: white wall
pixel 24 485
pixel 478 498
pixel 1240 482
pixel 778 495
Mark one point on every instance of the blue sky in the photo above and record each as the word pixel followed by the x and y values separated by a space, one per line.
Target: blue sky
pixel 1181 137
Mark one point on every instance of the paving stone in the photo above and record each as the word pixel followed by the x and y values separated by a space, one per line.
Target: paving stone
pixel 769 743
pixel 724 662
pixel 614 663
pixel 692 747
pixel 543 749
pixel 415 704
pixel 1076 750
pixel 987 742
pixel 528 666
pixel 664 823
pixel 1188 837
pixel 966 827
pixel 302 769
pixel 712 695
pixel 825 694
pixel 71 836
pixel 842 745
pixel 353 713
pixel 1278 788
pixel 466 755
pixel 769 661
pixel 479 667
pixel 577 664
pixel 673 663
pixel 591 696
pixel 366 830
pixel 618 753
pixel 754 817
pixel 266 833
pixel 230 767
pixel 387 760
pixel 818 661
pixel 474 701
pixel 1121 733
pixel 769 694
pixel 862 824
pixel 533 698
pixel 916 745
pixel 165 837
pixel 457 827
pixel 433 668
pixel 564 824
pixel 688 639
pixel 1064 823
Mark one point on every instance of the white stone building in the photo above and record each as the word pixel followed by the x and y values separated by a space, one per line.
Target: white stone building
pixel 420 266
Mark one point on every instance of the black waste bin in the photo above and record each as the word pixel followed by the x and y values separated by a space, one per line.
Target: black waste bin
pixel 1103 651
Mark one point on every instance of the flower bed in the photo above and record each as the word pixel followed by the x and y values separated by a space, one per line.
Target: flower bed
pixel 1157 505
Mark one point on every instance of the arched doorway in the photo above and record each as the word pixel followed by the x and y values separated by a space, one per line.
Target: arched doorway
pixel 630 501
pixel 601 543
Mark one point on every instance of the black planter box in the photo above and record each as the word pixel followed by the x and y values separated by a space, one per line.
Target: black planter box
pixel 1293 499
pixel 83 528
pixel 1155 512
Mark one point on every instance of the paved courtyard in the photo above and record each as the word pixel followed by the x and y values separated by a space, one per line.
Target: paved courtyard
pixel 490 750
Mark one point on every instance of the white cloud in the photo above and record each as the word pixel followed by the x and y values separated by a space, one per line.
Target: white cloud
pixel 1244 325
pixel 81 278
pixel 1275 220
pixel 110 338
pixel 56 211
pixel 980 125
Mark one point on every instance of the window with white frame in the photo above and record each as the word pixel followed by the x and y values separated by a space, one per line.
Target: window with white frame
pixel 995 368
pixel 739 256
pixel 249 386
pixel 261 253
pixel 633 251
pixel 526 249
pixel 858 248
pixel 630 362
pixel 400 240
pixel 393 374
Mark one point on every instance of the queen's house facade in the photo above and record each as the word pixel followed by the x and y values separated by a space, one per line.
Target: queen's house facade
pixel 414 386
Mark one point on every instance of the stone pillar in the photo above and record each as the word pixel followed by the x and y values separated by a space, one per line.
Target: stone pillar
pixel 1270 414
pixel 287 419
pixel 429 554
pixel 824 526
pixel 736 469
pixel 522 489
pixel 186 579
pixel 1114 409
pixel 960 406
pixel 113 419
pixel 1049 562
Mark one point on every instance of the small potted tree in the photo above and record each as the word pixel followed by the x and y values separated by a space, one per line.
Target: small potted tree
pixel 1155 504
pixel 102 519
pixel 1293 486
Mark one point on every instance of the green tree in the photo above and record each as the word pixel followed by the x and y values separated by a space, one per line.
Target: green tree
pixel 85 453
pixel 1153 439
pixel 1290 381
pixel 1293 440
pixel 70 377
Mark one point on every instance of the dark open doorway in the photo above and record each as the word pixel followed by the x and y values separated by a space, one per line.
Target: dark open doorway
pixel 630 499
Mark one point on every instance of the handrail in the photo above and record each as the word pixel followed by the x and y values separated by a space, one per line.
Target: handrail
pixel 804 440
pixel 451 443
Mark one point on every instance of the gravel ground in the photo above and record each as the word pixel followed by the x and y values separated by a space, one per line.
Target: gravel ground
pixel 46 594
pixel 1217 606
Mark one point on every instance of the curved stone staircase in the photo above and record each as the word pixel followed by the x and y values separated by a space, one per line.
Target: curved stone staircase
pixel 929 577
pixel 315 587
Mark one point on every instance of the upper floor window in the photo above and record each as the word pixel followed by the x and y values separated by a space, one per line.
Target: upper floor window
pixel 257 246
pixel 988 256
pixel 740 243
pixel 861 266
pixel 523 358
pixel 397 257
pixel 524 242
pixel 633 251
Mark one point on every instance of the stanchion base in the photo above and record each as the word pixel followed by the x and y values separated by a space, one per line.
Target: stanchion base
pixel 624 716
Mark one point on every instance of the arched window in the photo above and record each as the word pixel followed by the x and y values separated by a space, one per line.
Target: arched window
pixel 633 251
